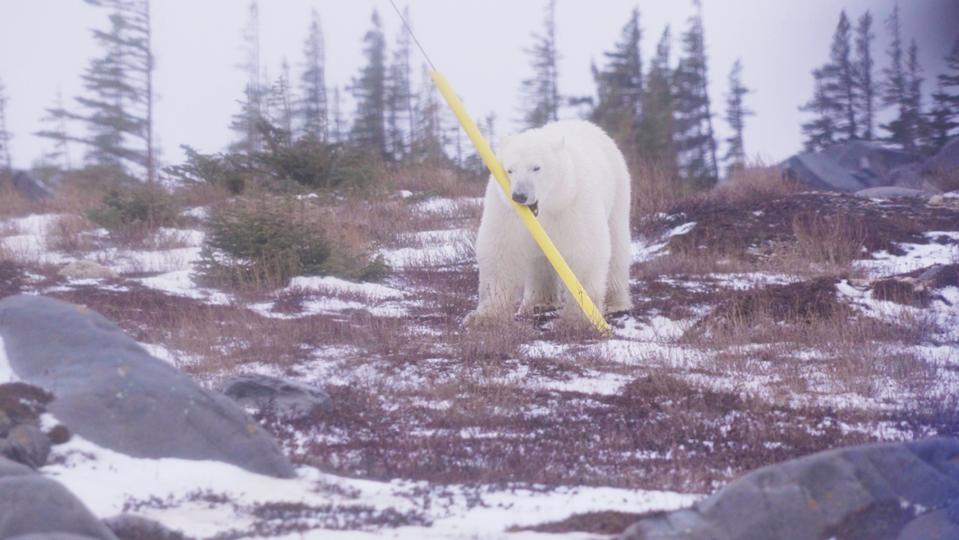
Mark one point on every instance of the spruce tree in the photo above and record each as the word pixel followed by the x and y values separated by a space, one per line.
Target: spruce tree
pixel 656 132
pixel 895 88
pixel 312 109
pixel 6 163
pixel 915 115
pixel 279 102
pixel 540 93
pixel 865 85
pixel 619 85
pixel 399 97
pixel 56 131
pixel 820 132
pixel 430 141
pixel 369 92
pixel 836 100
pixel 337 123
pixel 842 78
pixel 736 113
pixel 950 78
pixel 695 138
pixel 246 123
pixel 118 111
pixel 943 118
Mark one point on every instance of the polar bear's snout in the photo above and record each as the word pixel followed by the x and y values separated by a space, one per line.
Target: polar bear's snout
pixel 523 193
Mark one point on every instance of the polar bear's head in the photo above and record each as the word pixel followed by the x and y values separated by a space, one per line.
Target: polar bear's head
pixel 536 167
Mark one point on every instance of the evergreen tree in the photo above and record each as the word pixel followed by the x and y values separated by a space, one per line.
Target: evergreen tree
pixel 399 97
pixel 279 102
pixel 246 123
pixel 312 107
pixel 656 131
pixel 865 86
pixel 540 93
pixel 943 118
pixel 6 163
pixel 842 78
pixel 836 99
pixel 430 141
pixel 736 113
pixel 56 131
pixel 695 138
pixel 369 92
pixel 950 79
pixel 118 112
pixel 338 125
pixel 619 86
pixel 895 89
pixel 820 132
pixel 915 116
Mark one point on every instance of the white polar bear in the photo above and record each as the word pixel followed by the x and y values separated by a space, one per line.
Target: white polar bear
pixel 573 176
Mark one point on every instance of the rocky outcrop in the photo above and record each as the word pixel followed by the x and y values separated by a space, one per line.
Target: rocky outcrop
pixel 109 390
pixel 34 507
pixel 290 400
pixel 895 491
pixel 854 166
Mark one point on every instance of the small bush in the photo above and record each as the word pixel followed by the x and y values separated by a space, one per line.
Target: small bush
pixel 301 162
pixel 263 243
pixel 135 209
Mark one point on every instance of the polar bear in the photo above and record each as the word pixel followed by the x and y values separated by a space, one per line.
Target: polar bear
pixel 575 179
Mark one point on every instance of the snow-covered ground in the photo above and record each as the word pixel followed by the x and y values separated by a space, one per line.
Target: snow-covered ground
pixel 526 394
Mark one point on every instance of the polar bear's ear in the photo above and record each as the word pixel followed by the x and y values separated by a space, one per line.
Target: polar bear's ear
pixel 559 143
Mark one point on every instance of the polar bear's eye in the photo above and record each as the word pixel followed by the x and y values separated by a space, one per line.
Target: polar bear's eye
pixel 509 171
pixel 536 168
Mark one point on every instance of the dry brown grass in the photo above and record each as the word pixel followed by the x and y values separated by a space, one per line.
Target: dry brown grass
pixel 835 240
pixel 435 180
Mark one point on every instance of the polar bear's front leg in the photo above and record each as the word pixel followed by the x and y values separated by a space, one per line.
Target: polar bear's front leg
pixel 501 261
pixel 592 268
pixel 542 287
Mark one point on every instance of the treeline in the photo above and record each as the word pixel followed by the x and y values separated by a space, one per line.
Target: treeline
pixel 849 96
pixel 295 126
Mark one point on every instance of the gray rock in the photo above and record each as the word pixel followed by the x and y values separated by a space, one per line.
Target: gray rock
pixel 30 186
pixel 891 192
pixel 865 492
pixel 848 167
pixel 37 507
pixel 946 160
pixel 129 527
pixel 111 391
pixel 26 444
pixel 12 468
pixel 287 399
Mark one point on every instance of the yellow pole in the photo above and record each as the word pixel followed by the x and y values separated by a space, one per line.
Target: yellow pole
pixel 539 234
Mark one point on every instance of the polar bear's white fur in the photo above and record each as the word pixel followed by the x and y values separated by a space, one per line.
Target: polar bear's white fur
pixel 575 178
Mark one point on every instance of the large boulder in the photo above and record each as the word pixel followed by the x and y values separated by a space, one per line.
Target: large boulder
pixel 29 186
pixel 109 390
pixel 287 399
pixel 946 160
pixel 35 507
pixel 896 491
pixel 850 167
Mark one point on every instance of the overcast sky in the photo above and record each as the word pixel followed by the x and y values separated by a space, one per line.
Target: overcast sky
pixel 45 45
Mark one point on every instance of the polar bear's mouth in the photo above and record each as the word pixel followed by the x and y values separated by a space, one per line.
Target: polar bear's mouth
pixel 534 208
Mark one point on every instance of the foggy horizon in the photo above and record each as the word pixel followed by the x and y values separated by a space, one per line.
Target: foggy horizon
pixel 198 49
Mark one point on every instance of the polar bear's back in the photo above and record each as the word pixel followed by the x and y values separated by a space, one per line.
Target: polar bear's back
pixel 597 163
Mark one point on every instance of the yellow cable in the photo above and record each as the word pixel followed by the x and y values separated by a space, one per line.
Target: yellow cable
pixel 539 234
